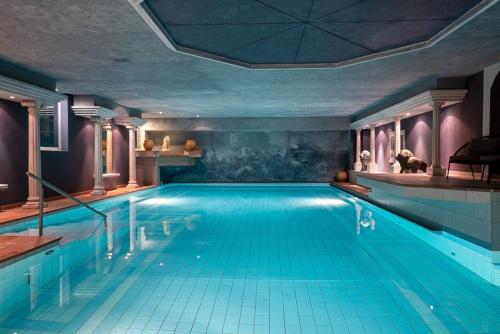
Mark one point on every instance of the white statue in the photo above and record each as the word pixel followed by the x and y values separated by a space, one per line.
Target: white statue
pixel 166 144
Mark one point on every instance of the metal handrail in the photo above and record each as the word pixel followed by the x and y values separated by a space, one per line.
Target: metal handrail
pixel 62 192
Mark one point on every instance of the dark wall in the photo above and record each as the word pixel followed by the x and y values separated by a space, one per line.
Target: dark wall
pixel 13 151
pixel 72 171
pixel 459 123
pixel 462 122
pixel 382 146
pixel 120 153
pixel 287 150
pixel 418 135
pixel 365 139
pixel 495 107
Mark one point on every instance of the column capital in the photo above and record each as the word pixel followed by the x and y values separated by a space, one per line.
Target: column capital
pixel 373 126
pixel 97 120
pixel 436 104
pixel 107 125
pixel 397 118
pixel 29 103
pixel 358 130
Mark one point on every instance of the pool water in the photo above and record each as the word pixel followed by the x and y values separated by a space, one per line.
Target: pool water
pixel 241 259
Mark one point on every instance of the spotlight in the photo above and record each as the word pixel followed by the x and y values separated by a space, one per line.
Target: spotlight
pixel 408 114
pixel 12 97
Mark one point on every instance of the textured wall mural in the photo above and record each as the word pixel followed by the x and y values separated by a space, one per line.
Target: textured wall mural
pixel 257 149
pixel 292 156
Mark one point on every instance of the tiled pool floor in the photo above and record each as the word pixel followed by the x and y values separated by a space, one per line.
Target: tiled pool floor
pixel 275 259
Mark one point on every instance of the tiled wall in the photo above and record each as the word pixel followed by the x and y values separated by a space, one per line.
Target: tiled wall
pixel 22 279
pixel 473 214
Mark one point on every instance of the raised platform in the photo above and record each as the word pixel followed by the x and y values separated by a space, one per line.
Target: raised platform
pixel 13 214
pixel 354 189
pixel 426 181
pixel 464 217
pixel 462 206
pixel 13 247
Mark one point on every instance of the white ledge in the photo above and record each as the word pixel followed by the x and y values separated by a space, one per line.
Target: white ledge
pixel 129 121
pixel 25 91
pixel 416 105
pixel 94 112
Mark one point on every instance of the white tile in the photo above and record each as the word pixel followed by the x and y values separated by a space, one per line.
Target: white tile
pixel 478 196
pixel 454 195
pixel 413 192
pixel 495 236
pixel 495 212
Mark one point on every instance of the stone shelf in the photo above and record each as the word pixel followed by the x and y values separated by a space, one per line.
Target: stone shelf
pixel 192 154
pixel 149 163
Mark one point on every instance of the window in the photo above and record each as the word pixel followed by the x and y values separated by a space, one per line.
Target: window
pixel 54 127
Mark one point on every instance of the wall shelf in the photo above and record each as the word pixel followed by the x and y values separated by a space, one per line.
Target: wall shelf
pixel 149 163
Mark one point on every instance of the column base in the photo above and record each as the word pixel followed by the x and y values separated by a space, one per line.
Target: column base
pixel 33 203
pixel 436 171
pixel 358 166
pixel 372 167
pixel 98 191
pixel 132 184
pixel 396 168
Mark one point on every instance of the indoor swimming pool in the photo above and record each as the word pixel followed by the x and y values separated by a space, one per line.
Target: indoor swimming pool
pixel 303 258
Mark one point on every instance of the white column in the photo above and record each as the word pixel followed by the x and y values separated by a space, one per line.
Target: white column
pixel 34 153
pixel 358 208
pixel 109 234
pixel 357 164
pixel 132 169
pixel 109 148
pixel 132 228
pixel 396 168
pixel 373 162
pixel 98 180
pixel 436 169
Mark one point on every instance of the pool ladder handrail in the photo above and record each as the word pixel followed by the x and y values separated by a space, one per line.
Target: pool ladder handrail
pixel 41 183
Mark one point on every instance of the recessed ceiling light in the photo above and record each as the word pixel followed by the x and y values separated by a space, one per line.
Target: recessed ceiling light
pixel 57 89
pixel 12 97
pixel 197 116
pixel 161 112
pixel 408 114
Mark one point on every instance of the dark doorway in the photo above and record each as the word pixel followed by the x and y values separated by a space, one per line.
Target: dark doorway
pixel 495 107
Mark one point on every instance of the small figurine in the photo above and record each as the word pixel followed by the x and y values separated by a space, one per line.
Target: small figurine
pixel 166 144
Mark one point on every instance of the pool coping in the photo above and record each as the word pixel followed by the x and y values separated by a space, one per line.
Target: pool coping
pixel 30 245
pixel 29 216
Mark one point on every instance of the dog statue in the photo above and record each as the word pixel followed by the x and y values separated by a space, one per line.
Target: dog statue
pixel 409 163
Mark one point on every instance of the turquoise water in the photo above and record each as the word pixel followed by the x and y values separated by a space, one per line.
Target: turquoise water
pixel 241 259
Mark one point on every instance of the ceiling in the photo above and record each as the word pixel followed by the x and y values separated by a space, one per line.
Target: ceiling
pixel 299 32
pixel 104 48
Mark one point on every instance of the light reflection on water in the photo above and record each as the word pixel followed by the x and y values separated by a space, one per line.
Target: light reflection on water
pixel 206 258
